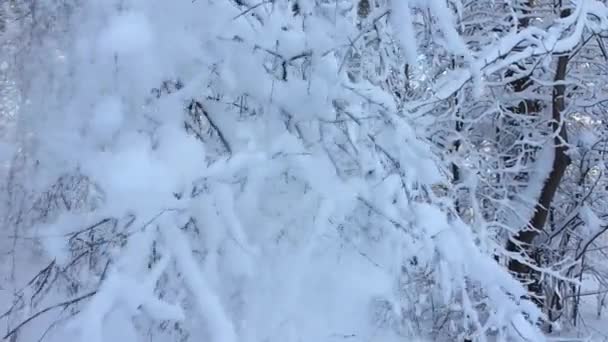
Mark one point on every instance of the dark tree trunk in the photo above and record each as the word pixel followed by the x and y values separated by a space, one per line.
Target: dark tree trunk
pixel 522 242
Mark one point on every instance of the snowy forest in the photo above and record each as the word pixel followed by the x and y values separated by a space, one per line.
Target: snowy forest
pixel 303 170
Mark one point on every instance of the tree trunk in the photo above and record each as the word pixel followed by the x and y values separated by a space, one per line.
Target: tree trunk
pixel 522 242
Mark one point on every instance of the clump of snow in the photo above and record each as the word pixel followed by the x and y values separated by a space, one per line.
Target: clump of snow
pixel 108 117
pixel 401 20
pixel 592 222
pixel 127 33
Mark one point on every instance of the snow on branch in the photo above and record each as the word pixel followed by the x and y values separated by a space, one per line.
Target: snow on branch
pixel 562 37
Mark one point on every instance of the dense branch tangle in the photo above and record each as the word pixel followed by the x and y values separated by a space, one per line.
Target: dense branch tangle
pixel 526 71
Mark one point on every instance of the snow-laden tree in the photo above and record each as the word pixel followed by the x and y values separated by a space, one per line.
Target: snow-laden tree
pixel 285 170
pixel 526 156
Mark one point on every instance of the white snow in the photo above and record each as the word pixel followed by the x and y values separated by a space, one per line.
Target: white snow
pixel 108 118
pixel 401 20
pixel 126 33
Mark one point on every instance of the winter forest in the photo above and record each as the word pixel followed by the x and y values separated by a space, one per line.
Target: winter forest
pixel 303 170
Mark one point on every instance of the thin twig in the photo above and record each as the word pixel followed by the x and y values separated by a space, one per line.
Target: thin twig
pixel 252 8
pixel 58 305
